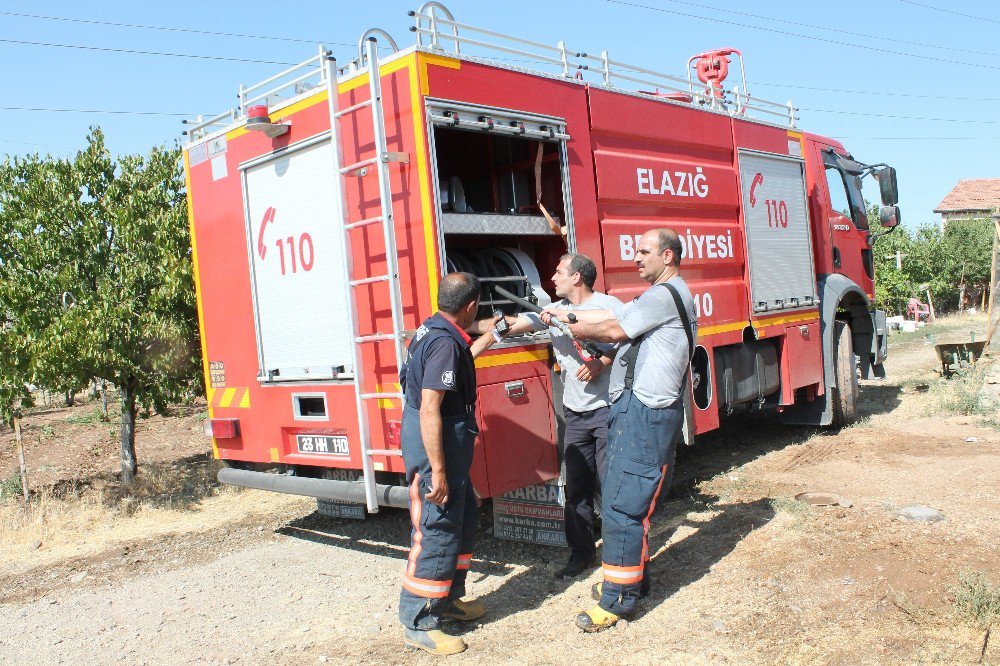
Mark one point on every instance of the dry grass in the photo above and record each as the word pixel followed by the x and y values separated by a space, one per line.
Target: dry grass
pixel 977 599
pixel 968 393
pixel 77 517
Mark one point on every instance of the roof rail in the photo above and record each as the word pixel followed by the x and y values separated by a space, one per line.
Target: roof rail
pixel 435 24
pixel 437 29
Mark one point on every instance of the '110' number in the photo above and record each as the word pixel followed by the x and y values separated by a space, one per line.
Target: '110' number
pixel 703 305
pixel 777 213
pixel 299 254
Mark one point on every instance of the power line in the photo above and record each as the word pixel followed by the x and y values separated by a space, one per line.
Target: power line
pixel 192 31
pixel 883 93
pixel 40 145
pixel 812 37
pixel 895 117
pixel 683 2
pixel 151 53
pixel 881 38
pixel 949 11
pixel 300 40
pixel 108 111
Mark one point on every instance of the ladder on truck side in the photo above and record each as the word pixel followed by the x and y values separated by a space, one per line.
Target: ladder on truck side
pixel 380 162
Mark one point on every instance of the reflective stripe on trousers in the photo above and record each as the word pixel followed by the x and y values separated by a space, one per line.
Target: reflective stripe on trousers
pixel 641 445
pixel 441 538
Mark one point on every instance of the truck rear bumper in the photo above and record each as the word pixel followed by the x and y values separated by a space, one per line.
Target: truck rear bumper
pixel 345 491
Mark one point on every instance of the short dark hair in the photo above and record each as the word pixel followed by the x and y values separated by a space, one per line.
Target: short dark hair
pixel 582 264
pixel 458 290
pixel 669 240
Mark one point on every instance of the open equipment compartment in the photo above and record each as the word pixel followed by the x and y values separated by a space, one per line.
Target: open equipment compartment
pixel 489 174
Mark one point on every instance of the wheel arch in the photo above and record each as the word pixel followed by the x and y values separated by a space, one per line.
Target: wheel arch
pixel 842 299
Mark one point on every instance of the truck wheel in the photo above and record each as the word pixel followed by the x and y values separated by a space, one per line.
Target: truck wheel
pixel 845 371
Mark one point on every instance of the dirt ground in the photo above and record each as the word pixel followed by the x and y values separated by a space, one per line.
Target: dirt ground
pixel 742 572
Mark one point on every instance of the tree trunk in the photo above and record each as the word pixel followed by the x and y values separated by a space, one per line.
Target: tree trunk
pixel 23 469
pixel 129 466
pixel 69 398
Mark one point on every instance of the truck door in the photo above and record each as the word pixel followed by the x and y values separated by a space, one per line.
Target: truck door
pixel 852 254
pixel 779 244
pixel 296 249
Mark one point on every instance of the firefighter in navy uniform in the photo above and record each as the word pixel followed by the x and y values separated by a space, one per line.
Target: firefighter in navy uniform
pixel 438 431
pixel 657 331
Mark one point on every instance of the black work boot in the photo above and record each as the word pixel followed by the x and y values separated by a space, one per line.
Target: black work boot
pixel 576 565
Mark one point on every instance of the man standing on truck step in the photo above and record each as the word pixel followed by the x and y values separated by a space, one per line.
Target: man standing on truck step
pixel 438 431
pixel 586 403
pixel 657 331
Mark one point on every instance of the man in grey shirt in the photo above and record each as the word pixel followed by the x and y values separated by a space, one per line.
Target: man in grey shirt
pixel 585 402
pixel 647 412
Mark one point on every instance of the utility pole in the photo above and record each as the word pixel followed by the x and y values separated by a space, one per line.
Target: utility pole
pixel 993 319
pixel 899 259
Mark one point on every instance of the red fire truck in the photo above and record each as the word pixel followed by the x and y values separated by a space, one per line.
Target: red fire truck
pixel 326 207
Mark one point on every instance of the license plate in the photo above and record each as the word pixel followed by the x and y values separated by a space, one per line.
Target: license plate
pixel 337 509
pixel 333 445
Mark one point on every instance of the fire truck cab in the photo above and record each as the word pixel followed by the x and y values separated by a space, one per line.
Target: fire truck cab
pixel 327 206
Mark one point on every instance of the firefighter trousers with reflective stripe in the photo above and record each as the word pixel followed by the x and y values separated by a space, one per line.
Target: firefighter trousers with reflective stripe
pixel 441 537
pixel 640 456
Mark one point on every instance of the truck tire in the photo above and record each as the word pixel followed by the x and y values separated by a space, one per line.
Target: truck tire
pixel 845 371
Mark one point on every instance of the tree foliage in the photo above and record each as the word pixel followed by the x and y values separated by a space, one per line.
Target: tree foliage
pixel 96 275
pixel 14 374
pixel 943 261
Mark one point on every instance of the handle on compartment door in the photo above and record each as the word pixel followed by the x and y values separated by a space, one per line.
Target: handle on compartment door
pixel 515 389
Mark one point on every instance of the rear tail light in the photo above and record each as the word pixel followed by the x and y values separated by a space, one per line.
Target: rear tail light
pixel 222 428
pixel 392 434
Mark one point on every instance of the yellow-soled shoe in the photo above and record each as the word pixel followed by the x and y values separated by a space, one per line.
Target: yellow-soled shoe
pixel 464 611
pixel 596 619
pixel 434 641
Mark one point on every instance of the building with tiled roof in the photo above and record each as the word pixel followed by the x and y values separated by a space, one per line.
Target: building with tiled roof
pixel 970 199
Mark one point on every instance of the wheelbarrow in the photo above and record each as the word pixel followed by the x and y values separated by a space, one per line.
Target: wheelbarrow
pixel 956 355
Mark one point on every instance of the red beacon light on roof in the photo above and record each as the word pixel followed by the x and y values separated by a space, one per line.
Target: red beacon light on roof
pixel 259 120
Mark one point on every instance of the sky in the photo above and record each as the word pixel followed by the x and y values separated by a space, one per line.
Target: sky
pixel 912 83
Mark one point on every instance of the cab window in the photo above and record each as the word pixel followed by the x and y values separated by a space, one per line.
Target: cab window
pixel 845 196
pixel 838 192
pixel 858 213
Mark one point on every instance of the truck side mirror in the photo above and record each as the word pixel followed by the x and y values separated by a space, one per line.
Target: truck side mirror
pixel 886 177
pixel 889 216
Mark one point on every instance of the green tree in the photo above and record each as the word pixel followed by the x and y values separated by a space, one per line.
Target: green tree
pixel 95 262
pixel 893 284
pixel 967 249
pixel 938 261
pixel 14 375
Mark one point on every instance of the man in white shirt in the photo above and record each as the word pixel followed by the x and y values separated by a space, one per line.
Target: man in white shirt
pixel 585 402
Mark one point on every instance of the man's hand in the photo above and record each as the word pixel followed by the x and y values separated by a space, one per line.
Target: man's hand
pixel 606 331
pixel 495 321
pixel 486 339
pixel 581 330
pixel 548 315
pixel 590 369
pixel 439 489
pixel 482 326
